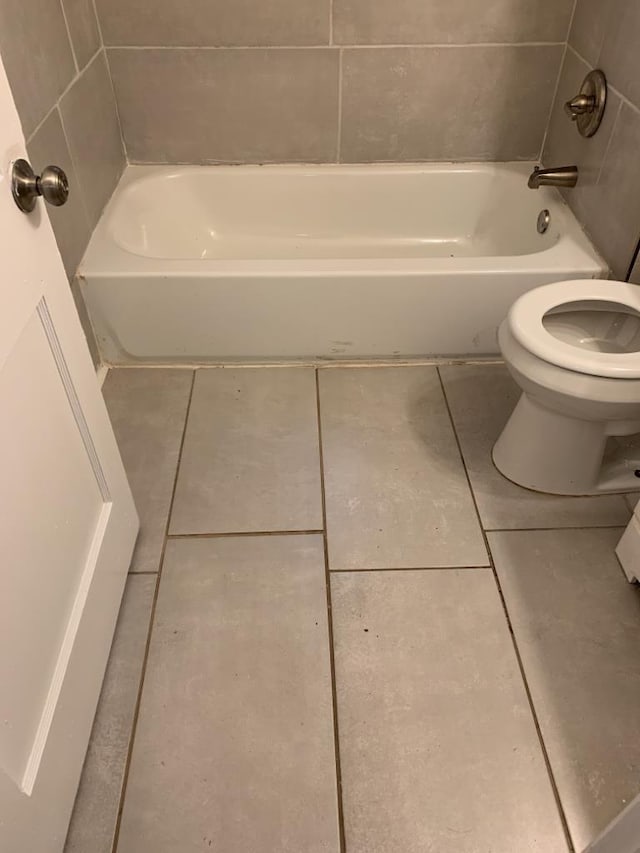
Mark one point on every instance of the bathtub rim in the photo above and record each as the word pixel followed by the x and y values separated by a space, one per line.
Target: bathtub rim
pixel 104 257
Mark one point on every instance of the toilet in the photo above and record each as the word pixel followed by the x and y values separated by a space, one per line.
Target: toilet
pixel 573 347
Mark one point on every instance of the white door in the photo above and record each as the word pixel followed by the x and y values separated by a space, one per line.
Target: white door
pixel 628 549
pixel 67 526
pixel 623 836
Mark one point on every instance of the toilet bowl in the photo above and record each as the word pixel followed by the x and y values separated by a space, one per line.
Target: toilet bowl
pixel 574 349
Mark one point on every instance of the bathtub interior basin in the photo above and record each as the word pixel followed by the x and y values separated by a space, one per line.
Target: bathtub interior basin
pixel 326 212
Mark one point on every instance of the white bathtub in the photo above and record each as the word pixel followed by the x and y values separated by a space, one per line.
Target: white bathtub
pixel 211 263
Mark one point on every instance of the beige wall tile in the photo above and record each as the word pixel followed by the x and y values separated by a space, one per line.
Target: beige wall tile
pixel 620 57
pixel 70 223
pixel 589 27
pixel 607 199
pixel 90 122
pixel 450 21
pixel 564 145
pixel 83 26
pixel 440 104
pixel 611 213
pixel 36 54
pixel 215 22
pixel 227 105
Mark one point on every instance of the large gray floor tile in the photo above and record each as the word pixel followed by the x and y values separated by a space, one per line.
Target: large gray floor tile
pixel 481 398
pixel 234 747
pixel 396 491
pixel 251 457
pixel 577 625
pixel 148 408
pixel 438 747
pixel 98 800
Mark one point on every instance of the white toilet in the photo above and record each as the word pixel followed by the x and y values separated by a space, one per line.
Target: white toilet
pixel 574 349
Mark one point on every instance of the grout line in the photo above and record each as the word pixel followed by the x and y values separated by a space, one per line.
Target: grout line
pixel 334 691
pixel 29 138
pixel 117 111
pixel 617 92
pixel 571 22
pixel 83 202
pixel 605 153
pixel 553 103
pixel 113 91
pixel 352 164
pixel 62 95
pixel 243 534
pixel 71 44
pixel 315 364
pixel 559 77
pixel 98 21
pixel 134 725
pixel 558 529
pixel 578 54
pixel 334 46
pixel 486 568
pixel 144 572
pixel 603 40
pixel 340 87
pixel 543 747
pixel 330 22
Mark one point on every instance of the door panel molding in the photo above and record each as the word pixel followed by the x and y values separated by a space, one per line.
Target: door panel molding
pixel 72 396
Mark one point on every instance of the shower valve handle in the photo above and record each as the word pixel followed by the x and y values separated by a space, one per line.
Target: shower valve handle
pixel 579 106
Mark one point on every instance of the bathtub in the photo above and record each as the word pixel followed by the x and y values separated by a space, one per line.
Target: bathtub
pixel 269 263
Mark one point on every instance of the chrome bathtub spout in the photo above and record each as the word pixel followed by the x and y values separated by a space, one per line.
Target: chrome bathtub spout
pixel 565 176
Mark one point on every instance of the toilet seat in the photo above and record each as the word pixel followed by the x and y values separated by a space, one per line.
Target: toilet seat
pixel 526 323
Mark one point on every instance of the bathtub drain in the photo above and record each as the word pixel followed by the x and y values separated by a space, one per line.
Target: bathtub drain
pixel 544 220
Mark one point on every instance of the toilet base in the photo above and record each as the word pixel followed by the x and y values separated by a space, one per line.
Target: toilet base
pixel 550 452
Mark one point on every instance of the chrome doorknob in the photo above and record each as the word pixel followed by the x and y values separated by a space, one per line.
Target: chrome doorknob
pixel 26 186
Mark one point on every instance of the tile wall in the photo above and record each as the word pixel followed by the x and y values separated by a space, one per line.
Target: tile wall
pixel 65 100
pixel 53 55
pixel 605 34
pixel 213 81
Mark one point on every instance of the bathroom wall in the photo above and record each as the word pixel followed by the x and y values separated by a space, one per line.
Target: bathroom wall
pixel 209 81
pixel 605 34
pixel 53 55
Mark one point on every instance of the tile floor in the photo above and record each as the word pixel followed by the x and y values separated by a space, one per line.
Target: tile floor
pixel 344 631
